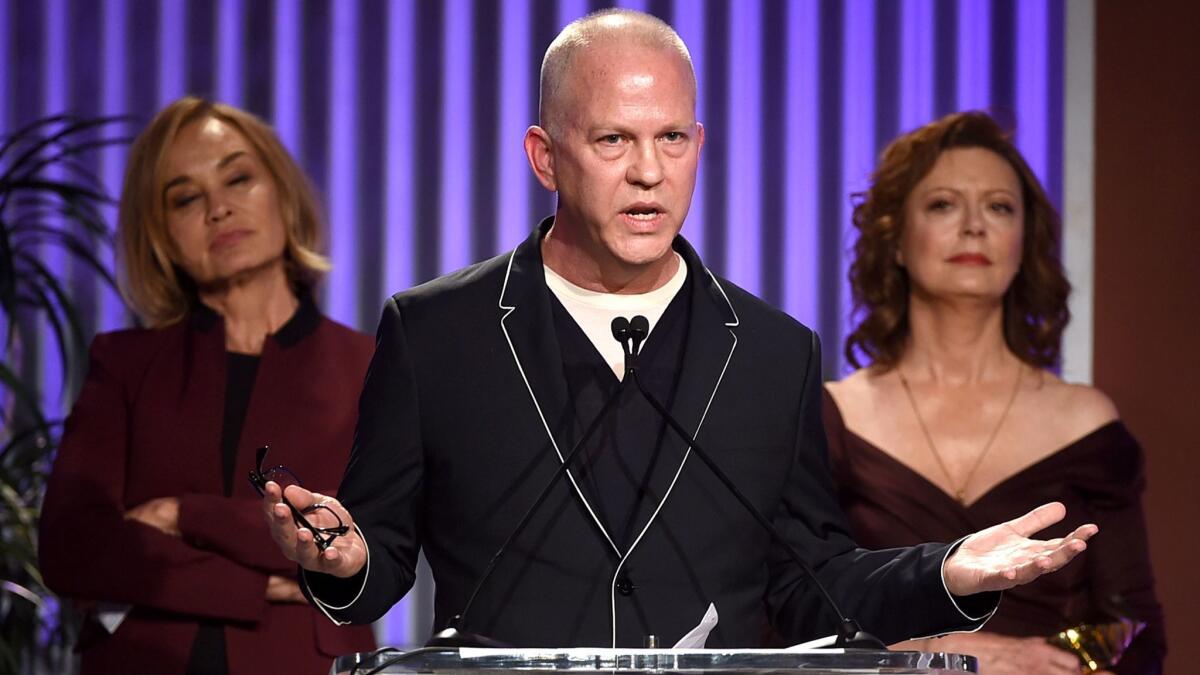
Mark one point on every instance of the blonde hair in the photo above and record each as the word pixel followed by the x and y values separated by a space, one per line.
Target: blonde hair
pixel 626 25
pixel 159 290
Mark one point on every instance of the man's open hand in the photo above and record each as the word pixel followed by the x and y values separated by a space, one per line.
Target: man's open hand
pixel 344 558
pixel 1003 556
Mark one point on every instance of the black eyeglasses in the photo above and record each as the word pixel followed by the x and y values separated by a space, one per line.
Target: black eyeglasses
pixel 322 536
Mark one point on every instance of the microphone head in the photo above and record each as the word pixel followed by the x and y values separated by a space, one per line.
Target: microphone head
pixel 453 637
pixel 639 327
pixel 620 329
pixel 851 636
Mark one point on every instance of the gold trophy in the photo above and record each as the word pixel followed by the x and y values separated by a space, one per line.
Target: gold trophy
pixel 1099 646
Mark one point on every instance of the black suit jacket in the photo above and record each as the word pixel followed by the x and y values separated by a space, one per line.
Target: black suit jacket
pixel 464 417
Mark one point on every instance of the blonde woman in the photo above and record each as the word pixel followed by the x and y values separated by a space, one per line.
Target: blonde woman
pixel 148 513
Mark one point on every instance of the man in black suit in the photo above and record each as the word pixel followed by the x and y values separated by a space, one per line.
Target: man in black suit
pixel 485 379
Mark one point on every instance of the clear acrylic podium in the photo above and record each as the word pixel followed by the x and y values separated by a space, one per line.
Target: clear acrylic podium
pixel 692 661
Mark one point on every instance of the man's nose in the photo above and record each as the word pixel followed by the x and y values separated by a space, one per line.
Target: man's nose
pixel 646 170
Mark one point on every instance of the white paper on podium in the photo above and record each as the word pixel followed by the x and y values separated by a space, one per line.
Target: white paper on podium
pixel 697 636
pixel 814 644
pixel 110 615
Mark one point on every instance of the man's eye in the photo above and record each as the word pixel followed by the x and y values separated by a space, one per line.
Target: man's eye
pixel 673 136
pixel 611 139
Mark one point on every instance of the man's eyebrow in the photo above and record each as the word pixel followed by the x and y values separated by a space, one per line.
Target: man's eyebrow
pixel 226 161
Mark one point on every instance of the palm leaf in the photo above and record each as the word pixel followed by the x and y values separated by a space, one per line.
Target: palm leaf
pixel 68 310
pixel 38 143
pixel 49 197
pixel 81 210
pixel 79 248
pixel 23 393
pixel 63 157
pixel 66 352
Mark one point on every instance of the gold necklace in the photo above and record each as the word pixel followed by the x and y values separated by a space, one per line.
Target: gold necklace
pixel 960 492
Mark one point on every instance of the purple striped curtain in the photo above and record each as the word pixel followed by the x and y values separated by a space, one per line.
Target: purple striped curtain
pixel 408 115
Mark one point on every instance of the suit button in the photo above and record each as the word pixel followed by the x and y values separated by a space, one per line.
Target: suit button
pixel 625 586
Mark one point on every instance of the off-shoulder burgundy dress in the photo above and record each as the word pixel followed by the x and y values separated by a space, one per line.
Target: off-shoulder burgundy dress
pixel 1098 477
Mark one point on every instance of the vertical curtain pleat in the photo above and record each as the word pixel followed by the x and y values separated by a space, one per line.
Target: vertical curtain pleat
pixel 408 116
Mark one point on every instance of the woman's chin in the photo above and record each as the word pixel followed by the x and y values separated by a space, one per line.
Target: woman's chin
pixel 235 272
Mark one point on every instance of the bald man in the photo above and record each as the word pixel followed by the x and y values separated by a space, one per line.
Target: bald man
pixel 484 380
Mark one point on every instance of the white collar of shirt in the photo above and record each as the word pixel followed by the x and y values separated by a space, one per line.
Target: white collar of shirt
pixel 594 311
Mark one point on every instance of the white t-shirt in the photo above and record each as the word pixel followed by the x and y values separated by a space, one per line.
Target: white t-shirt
pixel 594 311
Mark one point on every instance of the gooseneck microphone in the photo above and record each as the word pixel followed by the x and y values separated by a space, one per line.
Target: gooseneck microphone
pixel 849 634
pixel 454 634
pixel 631 334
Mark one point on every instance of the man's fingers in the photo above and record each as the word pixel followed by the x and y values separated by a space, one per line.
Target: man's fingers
pixel 1048 561
pixel 1084 532
pixel 299 497
pixel 1038 519
pixel 296 541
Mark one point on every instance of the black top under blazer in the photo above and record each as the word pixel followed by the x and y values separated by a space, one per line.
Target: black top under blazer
pixel 464 417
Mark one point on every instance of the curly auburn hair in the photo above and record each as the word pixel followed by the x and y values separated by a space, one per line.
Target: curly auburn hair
pixel 1035 304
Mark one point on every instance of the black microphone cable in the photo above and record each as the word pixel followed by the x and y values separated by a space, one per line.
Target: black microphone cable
pixel 849 635
pixel 453 635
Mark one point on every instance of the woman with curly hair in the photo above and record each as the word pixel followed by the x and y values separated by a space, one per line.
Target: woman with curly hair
pixel 955 419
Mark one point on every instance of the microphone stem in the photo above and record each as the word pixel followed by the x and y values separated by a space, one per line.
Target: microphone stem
pixel 847 625
pixel 461 619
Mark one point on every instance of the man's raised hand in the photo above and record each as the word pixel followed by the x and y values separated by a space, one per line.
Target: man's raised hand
pixel 344 558
pixel 1004 555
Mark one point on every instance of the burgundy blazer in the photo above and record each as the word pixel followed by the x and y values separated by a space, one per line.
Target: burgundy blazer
pixel 148 424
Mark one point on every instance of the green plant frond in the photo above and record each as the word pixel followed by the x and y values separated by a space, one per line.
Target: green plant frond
pixel 18 506
pixel 63 316
pixel 68 349
pixel 33 202
pixel 87 173
pixel 66 152
pixel 79 248
pixel 28 435
pixel 23 393
pixel 30 131
pixel 37 142
pixel 61 297
pixel 80 210
pixel 62 188
pixel 8 275
pixel 30 211
pixel 50 196
pixel 57 217
pixel 87 213
pixel 21 592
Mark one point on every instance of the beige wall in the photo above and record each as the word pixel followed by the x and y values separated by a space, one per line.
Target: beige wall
pixel 1147 276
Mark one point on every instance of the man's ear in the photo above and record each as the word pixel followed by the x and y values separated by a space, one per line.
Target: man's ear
pixel 539 150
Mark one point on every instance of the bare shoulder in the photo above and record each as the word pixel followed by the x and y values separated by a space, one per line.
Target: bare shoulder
pixel 1084 408
pixel 856 395
pixel 854 386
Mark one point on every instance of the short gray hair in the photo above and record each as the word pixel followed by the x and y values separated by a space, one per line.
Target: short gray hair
pixel 616 24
